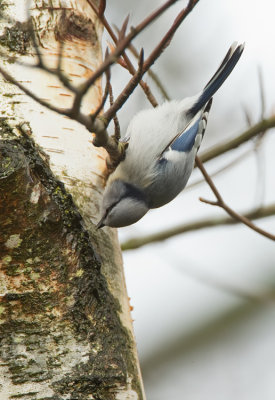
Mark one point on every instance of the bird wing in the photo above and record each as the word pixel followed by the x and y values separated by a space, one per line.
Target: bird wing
pixel 185 140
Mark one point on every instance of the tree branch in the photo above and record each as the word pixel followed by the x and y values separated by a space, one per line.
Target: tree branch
pixel 220 203
pixel 127 91
pixel 153 56
pixel 247 135
pixel 128 64
pixel 211 222
pixel 169 35
pixel 151 74
pixel 123 43
pixel 97 126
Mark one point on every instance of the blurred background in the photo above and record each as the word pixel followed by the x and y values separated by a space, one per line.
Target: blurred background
pixel 204 310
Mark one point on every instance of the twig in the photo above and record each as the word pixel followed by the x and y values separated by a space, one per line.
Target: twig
pixel 115 118
pixel 106 92
pixel 152 58
pixel 262 93
pixel 211 222
pixel 9 78
pixel 248 117
pixel 128 63
pixel 101 8
pixel 152 75
pixel 220 203
pixel 98 125
pixel 169 35
pixel 40 64
pixel 121 46
pixel 224 168
pixel 104 97
pixel 127 91
pixel 213 282
pixel 237 141
pixel 259 195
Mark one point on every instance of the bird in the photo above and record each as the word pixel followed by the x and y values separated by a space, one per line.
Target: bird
pixel 162 146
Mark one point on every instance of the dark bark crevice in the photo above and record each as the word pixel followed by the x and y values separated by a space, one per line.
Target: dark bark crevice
pixel 56 309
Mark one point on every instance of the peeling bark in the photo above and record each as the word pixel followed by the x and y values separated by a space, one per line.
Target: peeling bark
pixel 65 325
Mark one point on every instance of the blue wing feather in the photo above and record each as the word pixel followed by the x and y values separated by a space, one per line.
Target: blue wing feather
pixel 186 140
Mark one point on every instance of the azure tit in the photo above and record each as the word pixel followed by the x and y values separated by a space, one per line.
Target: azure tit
pixel 163 143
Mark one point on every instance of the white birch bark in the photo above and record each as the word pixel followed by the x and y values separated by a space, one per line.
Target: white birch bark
pixel 49 358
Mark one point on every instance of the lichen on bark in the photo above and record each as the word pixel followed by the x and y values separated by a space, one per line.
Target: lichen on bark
pixel 16 38
pixel 65 330
pixel 58 318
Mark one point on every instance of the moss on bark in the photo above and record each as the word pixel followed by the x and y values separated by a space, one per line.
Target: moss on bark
pixel 57 310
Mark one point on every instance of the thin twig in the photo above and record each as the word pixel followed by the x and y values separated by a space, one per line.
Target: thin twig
pixel 128 64
pixel 127 91
pixel 97 126
pixel 121 47
pixel 248 117
pixel 259 195
pixel 220 203
pixel 58 71
pixel 212 281
pixel 115 118
pixel 152 58
pixel 105 95
pixel 101 8
pixel 240 139
pixel 9 78
pixel 224 168
pixel 40 64
pixel 210 222
pixel 151 74
pixel 262 94
pixel 80 92
pixel 169 35
pixel 106 92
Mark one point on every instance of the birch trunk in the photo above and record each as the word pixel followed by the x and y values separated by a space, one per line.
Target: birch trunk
pixel 66 330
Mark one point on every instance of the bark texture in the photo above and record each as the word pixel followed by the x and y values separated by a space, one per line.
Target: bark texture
pixel 65 325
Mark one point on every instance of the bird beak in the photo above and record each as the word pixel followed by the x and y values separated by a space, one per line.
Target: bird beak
pixel 100 224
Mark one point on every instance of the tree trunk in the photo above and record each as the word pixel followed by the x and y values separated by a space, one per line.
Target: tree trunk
pixel 66 330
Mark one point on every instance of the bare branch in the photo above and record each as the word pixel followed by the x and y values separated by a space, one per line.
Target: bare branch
pixel 151 74
pixel 260 187
pixel 262 93
pixel 248 117
pixel 101 8
pixel 151 59
pixel 104 97
pixel 121 33
pixel 226 167
pixel 220 202
pixel 127 91
pixel 106 92
pixel 58 71
pixel 116 135
pixel 212 281
pixel 9 78
pixel 127 62
pixel 169 35
pixel 237 141
pixel 40 63
pixel 211 222
pixel 97 125
pixel 121 46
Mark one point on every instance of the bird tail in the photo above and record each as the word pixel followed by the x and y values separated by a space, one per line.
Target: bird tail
pixel 222 73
